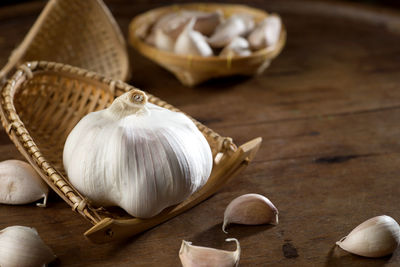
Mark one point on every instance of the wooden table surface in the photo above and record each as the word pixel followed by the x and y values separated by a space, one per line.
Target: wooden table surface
pixel 328 110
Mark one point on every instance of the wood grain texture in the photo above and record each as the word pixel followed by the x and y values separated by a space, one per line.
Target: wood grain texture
pixel 328 110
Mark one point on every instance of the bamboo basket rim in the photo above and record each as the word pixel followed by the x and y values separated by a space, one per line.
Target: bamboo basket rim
pixel 20 50
pixel 106 228
pixel 137 42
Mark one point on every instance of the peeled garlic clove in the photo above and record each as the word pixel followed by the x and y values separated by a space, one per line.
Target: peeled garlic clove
pixel 376 237
pixel 193 256
pixel 266 33
pixel 152 158
pixel 162 41
pixel 191 42
pixel 237 47
pixel 20 184
pixel 236 25
pixel 251 209
pixel 22 246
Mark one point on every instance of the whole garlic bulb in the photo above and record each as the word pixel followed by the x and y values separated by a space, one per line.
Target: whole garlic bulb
pixel 21 246
pixel 137 155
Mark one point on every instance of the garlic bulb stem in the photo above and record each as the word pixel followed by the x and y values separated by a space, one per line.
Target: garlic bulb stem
pixel 130 103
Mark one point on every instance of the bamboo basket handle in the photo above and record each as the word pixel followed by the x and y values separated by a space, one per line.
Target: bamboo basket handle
pixel 109 229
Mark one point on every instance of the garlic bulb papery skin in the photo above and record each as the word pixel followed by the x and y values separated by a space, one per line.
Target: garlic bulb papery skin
pixel 237 47
pixel 236 25
pixel 250 209
pixel 196 256
pixel 20 184
pixel 191 42
pixel 136 155
pixel 267 33
pixel 21 246
pixel 376 237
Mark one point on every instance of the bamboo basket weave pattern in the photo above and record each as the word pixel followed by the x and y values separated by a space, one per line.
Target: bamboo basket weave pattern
pixel 41 104
pixel 75 32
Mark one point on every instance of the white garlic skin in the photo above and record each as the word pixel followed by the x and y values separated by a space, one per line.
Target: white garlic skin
pixel 20 184
pixel 376 237
pixel 235 25
pixel 22 246
pixel 250 209
pixel 191 42
pixel 237 47
pixel 140 157
pixel 266 33
pixel 197 256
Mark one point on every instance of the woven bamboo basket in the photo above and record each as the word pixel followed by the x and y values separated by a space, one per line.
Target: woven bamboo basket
pixel 192 70
pixel 43 101
pixel 80 33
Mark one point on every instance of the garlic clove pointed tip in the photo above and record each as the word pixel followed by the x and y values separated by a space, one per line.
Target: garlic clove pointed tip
pixel 224 225
pixel 44 204
pixel 276 220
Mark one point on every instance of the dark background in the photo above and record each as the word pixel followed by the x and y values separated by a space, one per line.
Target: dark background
pixel 387 3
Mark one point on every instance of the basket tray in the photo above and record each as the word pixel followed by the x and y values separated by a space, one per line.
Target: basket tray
pixel 192 70
pixel 41 104
pixel 75 32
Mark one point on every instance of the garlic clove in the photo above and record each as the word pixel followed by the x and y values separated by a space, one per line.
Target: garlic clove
pixel 191 42
pixel 162 41
pixel 251 209
pixel 237 47
pixel 236 25
pixel 196 256
pixel 376 237
pixel 174 23
pixel 267 33
pixel 20 184
pixel 22 246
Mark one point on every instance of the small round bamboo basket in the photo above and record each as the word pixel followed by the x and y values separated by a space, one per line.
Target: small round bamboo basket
pixel 76 32
pixel 192 70
pixel 43 101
